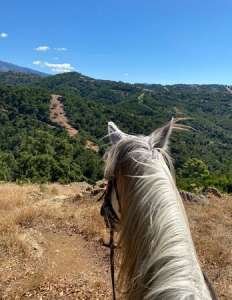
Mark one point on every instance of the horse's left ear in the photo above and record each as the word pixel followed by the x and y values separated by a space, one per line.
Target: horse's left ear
pixel 115 134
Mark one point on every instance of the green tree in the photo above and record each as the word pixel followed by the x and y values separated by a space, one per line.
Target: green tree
pixel 194 174
pixel 7 166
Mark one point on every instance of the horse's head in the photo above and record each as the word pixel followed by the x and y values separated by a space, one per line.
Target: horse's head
pixel 157 256
pixel 129 155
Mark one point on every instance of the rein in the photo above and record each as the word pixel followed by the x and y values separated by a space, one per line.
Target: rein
pixel 111 220
pixel 210 287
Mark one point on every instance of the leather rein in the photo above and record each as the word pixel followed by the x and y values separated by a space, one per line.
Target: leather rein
pixel 111 220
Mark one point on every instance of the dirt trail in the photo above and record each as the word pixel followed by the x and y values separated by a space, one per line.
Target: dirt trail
pixel 71 255
pixel 73 268
pixel 77 266
pixel 229 89
pixel 140 98
pixel 77 262
pixel 92 146
pixel 57 115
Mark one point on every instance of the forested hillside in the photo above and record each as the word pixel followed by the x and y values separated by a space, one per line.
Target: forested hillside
pixel 202 156
pixel 12 78
pixel 32 149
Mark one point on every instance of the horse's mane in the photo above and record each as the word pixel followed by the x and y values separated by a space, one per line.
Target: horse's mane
pixel 158 259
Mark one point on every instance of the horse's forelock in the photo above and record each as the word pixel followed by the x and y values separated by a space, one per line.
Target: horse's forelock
pixel 127 149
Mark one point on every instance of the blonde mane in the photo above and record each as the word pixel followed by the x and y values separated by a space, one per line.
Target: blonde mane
pixel 157 256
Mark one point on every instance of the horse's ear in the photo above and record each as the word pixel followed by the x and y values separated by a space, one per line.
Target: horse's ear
pixel 160 137
pixel 115 134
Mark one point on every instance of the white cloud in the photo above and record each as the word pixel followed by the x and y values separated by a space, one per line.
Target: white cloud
pixel 42 48
pixel 61 49
pixel 47 48
pixel 3 35
pixel 60 68
pixel 57 68
pixel 126 74
pixel 37 62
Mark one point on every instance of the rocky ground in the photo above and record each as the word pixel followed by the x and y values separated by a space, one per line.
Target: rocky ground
pixel 51 244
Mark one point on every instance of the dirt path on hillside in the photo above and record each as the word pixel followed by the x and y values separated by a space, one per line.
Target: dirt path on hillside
pixel 76 265
pixel 57 115
pixel 70 255
pixel 228 88
pixel 74 269
pixel 70 267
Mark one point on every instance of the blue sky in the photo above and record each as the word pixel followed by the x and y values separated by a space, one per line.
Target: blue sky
pixel 153 41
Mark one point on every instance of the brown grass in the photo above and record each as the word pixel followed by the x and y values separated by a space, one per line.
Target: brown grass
pixel 41 223
pixel 211 227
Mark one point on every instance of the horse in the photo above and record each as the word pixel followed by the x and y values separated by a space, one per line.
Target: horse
pixel 158 260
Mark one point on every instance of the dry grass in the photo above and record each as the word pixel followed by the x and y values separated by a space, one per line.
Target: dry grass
pixel 88 219
pixel 40 227
pixel 37 223
pixel 13 196
pixel 211 226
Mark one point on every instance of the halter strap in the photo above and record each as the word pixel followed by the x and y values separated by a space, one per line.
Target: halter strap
pixel 111 219
pixel 107 211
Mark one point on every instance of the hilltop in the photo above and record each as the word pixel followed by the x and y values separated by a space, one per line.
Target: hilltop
pixel 136 108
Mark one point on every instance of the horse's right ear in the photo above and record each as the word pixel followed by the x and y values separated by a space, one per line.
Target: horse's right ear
pixel 115 134
pixel 160 137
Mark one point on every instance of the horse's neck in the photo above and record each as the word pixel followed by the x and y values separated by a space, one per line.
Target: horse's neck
pixel 158 252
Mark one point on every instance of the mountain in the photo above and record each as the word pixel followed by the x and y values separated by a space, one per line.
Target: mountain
pixel 15 79
pixel 8 67
pixel 202 156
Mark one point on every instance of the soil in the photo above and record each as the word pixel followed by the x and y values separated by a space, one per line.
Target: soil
pixel 58 116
